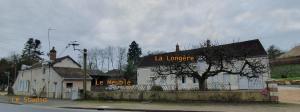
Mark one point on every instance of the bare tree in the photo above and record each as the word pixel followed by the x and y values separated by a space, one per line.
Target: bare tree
pixel 92 59
pixel 106 52
pixel 214 59
pixel 121 55
pixel 110 56
pixel 101 56
pixel 155 52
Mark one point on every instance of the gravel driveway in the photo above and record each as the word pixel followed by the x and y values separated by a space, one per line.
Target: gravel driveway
pixel 289 94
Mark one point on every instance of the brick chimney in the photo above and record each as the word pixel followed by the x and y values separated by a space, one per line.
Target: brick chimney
pixel 52 54
pixel 177 47
pixel 208 43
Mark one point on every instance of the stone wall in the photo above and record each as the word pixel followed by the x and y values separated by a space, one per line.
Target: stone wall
pixel 225 96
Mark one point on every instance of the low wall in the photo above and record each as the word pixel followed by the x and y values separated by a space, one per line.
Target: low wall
pixel 226 96
pixel 286 82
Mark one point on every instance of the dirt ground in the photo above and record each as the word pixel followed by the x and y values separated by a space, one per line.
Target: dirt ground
pixel 289 94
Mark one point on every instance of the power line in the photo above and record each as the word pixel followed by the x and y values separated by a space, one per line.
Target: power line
pixel 63 51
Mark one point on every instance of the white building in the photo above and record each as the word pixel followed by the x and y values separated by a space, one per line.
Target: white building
pixel 223 81
pixel 54 81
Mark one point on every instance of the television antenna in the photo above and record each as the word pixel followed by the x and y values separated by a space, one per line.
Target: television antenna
pixel 74 44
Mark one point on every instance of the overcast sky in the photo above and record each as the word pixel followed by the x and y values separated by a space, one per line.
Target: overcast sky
pixel 154 24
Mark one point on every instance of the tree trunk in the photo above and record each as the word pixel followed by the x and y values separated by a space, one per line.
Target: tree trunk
pixel 201 83
pixel 176 83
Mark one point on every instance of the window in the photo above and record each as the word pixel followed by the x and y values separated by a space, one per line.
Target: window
pixel 163 80
pixel 194 80
pixel 183 79
pixel 28 85
pixel 44 70
pixel 226 78
pixel 69 85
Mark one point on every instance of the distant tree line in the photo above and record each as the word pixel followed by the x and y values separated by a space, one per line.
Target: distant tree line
pixel 274 52
pixel 115 57
pixel 10 65
pixel 103 59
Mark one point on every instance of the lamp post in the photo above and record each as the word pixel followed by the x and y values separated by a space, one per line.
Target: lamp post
pixel 48 85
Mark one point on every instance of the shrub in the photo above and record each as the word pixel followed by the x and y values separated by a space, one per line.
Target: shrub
pixel 284 76
pixel 156 88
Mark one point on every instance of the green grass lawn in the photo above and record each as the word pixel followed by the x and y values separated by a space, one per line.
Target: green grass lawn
pixel 291 72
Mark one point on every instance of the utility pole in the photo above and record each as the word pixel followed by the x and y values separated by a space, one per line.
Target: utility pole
pixel 8 85
pixel 15 70
pixel 84 68
pixel 84 51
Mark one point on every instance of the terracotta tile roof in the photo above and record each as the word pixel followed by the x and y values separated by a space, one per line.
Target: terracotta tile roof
pixel 71 73
pixel 111 73
pixel 37 65
pixel 254 48
pixel 96 72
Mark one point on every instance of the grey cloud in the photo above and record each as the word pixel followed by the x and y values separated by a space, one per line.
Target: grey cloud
pixel 154 24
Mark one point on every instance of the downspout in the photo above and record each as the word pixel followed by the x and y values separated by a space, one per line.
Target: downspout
pixel 62 89
pixel 30 83
pixel 49 81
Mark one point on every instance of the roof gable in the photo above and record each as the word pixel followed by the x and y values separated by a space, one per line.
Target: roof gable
pixel 59 60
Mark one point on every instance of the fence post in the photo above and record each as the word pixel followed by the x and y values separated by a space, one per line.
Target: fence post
pixel 229 86
pixel 273 91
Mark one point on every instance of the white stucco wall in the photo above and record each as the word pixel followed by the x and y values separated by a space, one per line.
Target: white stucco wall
pixel 220 81
pixel 36 79
pixel 145 78
pixel 77 84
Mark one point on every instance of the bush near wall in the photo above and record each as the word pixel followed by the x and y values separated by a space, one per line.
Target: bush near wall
pixel 290 72
pixel 222 96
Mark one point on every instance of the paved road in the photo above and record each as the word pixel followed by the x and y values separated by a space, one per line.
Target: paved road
pixel 287 94
pixel 30 108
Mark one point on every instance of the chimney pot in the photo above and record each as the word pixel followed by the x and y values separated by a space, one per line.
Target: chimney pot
pixel 52 54
pixel 177 47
